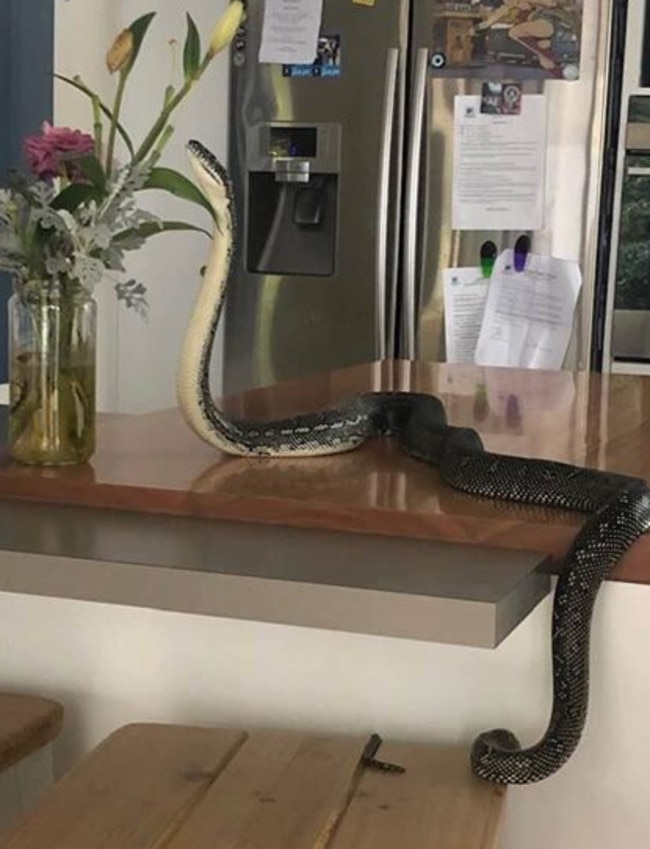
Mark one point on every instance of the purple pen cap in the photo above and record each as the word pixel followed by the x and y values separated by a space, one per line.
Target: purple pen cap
pixel 522 248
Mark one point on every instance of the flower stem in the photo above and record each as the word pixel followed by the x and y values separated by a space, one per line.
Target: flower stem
pixel 161 121
pixel 115 115
pixel 97 125
pixel 164 138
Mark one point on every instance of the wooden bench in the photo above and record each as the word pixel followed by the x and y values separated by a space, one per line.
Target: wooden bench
pixel 27 725
pixel 181 787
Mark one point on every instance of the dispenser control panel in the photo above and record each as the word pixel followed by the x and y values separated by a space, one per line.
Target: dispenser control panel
pixel 284 144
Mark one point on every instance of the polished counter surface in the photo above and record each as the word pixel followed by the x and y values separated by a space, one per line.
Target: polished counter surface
pixel 153 464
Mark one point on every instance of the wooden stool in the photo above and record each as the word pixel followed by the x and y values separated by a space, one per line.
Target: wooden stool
pixel 27 724
pixel 147 786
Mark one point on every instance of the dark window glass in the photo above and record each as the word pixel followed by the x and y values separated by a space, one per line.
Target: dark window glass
pixel 26 65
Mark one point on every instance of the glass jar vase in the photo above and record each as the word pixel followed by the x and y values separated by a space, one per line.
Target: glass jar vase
pixel 52 344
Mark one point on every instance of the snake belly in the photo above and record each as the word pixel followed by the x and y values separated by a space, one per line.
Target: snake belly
pixel 618 506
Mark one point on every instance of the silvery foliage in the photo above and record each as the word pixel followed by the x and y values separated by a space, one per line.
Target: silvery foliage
pixel 78 245
pixel 11 258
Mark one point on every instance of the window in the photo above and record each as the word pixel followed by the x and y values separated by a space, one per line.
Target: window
pixel 26 66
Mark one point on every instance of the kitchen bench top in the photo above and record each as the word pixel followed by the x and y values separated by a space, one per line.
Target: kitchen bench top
pixel 149 468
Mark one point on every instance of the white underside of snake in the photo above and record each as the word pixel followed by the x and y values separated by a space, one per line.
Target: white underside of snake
pixel 619 506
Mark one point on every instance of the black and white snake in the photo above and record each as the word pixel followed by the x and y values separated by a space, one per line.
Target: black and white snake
pixel 619 505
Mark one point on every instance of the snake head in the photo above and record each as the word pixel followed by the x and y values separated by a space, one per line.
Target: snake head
pixel 211 176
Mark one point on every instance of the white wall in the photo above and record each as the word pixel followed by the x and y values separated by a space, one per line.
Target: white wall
pixel 137 361
pixel 112 665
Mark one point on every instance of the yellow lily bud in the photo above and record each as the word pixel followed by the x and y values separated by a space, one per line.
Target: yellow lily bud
pixel 226 27
pixel 121 51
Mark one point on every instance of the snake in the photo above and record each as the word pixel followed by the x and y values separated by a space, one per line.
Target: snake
pixel 617 506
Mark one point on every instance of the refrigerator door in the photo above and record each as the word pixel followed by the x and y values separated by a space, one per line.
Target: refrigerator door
pixel 631 318
pixel 314 158
pixel 576 113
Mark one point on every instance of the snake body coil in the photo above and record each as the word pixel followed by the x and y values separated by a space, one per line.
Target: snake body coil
pixel 619 505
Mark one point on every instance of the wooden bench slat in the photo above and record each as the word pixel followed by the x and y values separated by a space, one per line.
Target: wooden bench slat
pixel 26 724
pixel 149 786
pixel 282 791
pixel 131 791
pixel 436 804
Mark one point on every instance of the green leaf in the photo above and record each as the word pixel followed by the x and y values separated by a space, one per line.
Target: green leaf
pixel 74 195
pixel 176 184
pixel 151 228
pixel 92 170
pixel 139 29
pixel 89 93
pixel 192 49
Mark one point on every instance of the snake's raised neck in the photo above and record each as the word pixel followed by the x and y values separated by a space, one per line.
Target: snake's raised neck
pixel 193 380
pixel 344 428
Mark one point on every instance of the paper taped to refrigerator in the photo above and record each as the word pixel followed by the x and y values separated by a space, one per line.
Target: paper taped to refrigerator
pixel 498 181
pixel 290 31
pixel 465 292
pixel 528 317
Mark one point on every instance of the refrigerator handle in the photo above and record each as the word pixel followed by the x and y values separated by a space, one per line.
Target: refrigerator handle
pixel 413 165
pixel 383 200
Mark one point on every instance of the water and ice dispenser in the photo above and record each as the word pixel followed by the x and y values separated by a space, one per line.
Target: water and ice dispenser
pixel 292 199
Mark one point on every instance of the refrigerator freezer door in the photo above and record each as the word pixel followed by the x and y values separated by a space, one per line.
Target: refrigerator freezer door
pixel 631 318
pixel 576 113
pixel 314 157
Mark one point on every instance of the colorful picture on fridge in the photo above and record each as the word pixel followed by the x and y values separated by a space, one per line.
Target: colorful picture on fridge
pixel 520 39
pixel 326 64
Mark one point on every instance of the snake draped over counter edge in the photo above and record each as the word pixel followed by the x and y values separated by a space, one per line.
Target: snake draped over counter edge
pixel 618 506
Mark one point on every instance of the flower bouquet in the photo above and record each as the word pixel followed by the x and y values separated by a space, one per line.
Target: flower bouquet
pixel 67 226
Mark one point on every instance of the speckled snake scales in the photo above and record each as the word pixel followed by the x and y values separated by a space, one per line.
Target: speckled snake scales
pixel 618 506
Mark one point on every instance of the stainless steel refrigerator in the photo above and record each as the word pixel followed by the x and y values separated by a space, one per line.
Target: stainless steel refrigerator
pixel 342 170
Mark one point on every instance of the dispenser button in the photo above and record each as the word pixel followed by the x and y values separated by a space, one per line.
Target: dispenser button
pixel 291 170
pixel 291 177
pixel 294 165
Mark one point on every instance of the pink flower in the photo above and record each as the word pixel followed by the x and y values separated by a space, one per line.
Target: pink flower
pixel 52 154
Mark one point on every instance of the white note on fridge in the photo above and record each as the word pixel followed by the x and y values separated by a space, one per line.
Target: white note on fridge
pixel 290 31
pixel 528 318
pixel 465 292
pixel 499 166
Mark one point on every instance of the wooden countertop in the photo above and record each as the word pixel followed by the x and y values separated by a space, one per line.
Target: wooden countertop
pixel 154 464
